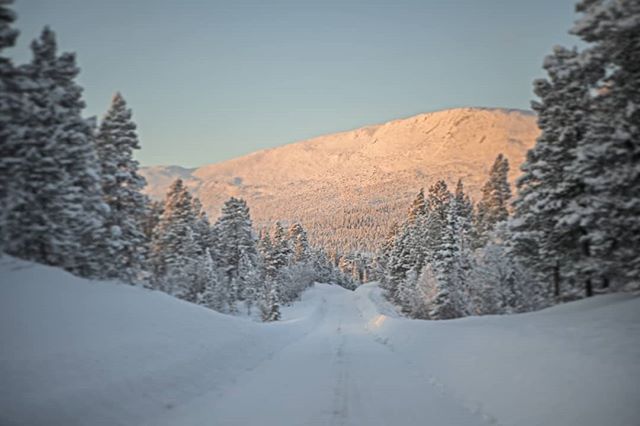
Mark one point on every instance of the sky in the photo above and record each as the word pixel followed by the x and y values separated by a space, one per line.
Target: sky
pixel 211 80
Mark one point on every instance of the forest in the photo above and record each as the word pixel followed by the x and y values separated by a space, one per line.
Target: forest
pixel 71 196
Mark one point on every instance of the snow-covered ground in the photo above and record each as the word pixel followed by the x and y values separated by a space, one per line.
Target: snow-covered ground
pixel 78 352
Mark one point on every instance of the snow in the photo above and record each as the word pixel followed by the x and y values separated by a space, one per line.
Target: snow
pixel 103 353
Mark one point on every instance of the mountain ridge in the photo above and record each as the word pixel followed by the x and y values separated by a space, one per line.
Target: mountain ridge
pixel 353 183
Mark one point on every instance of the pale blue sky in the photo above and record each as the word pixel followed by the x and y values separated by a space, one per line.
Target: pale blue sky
pixel 211 80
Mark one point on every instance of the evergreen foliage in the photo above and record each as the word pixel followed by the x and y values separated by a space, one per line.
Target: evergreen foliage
pixel 493 206
pixel 576 215
pixel 126 242
pixel 55 212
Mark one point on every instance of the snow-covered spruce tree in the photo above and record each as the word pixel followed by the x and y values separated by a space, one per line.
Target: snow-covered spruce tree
pixel 493 206
pixel 500 284
pixel 184 276
pixel 270 304
pixel 462 229
pixel 324 269
pixel 174 248
pixel 11 106
pixel 398 264
pixel 381 260
pixel 203 229
pixel 300 244
pixel 438 299
pixel 277 289
pixel 213 293
pixel 435 236
pixel 463 210
pixel 607 155
pixel 56 217
pixel 281 248
pixel 154 213
pixel 265 249
pixel 418 207
pixel 251 289
pixel 433 229
pixel 301 272
pixel 236 251
pixel 126 244
pixel 447 298
pixel 545 189
pixel 406 251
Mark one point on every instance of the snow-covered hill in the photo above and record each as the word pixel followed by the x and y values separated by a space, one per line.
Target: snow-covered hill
pixel 346 188
pixel 76 352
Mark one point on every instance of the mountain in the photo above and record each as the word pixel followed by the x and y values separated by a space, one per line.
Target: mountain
pixel 347 188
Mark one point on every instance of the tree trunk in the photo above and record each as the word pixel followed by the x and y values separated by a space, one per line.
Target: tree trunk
pixel 556 280
pixel 588 288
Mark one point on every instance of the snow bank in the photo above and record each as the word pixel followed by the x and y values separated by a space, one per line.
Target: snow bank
pixel 77 352
pixel 80 352
pixel 572 364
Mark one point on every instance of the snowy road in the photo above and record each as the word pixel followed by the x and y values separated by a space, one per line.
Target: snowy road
pixel 339 373
pixel 76 352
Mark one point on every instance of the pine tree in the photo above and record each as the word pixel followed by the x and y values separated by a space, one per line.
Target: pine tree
pixel 545 189
pixel 57 215
pixel 204 232
pixel 493 206
pixel 154 213
pixel 439 299
pixel 463 234
pixel 213 295
pixel 11 107
pixel 606 213
pixel 270 306
pixel 281 247
pixel 418 207
pixel 447 297
pixel 500 283
pixel 300 244
pixel 463 210
pixel 184 273
pixel 399 263
pixel 174 248
pixel 433 229
pixel 126 244
pixel 237 249
pixel 383 258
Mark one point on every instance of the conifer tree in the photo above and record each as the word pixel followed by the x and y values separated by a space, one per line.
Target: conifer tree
pixel 607 212
pixel 154 213
pixel 280 246
pixel 174 247
pixel 383 258
pixel 126 244
pixel 463 210
pixel 57 215
pixel 237 253
pixel 493 206
pixel 418 207
pixel 213 294
pixel 300 244
pixel 270 306
pixel 204 232
pixel 11 107
pixel 544 189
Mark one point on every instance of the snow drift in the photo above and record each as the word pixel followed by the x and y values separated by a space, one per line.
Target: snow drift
pixel 80 352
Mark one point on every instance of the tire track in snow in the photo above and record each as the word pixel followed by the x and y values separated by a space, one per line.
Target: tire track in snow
pixel 340 411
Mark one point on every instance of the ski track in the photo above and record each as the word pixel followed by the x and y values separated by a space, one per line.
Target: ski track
pixel 339 373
